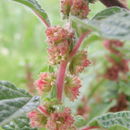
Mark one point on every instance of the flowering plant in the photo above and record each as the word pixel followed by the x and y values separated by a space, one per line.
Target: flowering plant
pixel 46 107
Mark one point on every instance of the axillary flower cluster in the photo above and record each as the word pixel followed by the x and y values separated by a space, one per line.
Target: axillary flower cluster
pixel 68 61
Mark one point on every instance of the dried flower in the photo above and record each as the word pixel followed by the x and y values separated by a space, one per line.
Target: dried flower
pixel 45 82
pixel 62 120
pixel 37 119
pixel 71 87
pixel 79 62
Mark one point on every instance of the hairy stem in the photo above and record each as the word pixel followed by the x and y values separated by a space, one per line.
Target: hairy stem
pixel 60 79
pixel 75 49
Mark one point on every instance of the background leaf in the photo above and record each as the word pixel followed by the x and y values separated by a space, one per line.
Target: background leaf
pixel 14 102
pixel 112 120
pixel 105 23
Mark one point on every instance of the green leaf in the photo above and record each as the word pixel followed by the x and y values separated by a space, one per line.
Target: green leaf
pixel 34 5
pixel 111 23
pixel 21 123
pixel 112 120
pixel 14 102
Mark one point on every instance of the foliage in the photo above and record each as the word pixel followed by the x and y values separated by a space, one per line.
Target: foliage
pixel 58 82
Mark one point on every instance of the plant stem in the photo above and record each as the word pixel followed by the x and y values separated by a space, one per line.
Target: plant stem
pixel 43 20
pixel 60 79
pixel 75 49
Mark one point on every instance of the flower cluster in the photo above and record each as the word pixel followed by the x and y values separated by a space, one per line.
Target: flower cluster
pixel 61 120
pixel 71 87
pixel 77 8
pixel 37 119
pixel 45 82
pixel 60 40
pixel 79 62
pixel 119 65
pixel 56 120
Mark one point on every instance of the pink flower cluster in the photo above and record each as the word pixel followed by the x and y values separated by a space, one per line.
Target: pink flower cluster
pixel 118 66
pixel 77 8
pixel 57 120
pixel 60 40
pixel 79 62
pixel 45 82
pixel 71 87
pixel 61 120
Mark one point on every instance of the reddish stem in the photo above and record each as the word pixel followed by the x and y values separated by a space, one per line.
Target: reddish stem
pixel 60 79
pixel 63 65
pixel 42 110
pixel 75 49
pixel 43 20
pixel 90 128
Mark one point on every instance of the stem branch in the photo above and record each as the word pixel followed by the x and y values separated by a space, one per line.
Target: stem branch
pixel 75 49
pixel 60 79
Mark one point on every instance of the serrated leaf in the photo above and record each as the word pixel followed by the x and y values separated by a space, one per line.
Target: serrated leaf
pixel 14 102
pixel 112 120
pixel 21 123
pixel 34 5
pixel 111 23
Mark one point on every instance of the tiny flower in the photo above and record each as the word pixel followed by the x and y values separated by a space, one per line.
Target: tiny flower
pixel 37 119
pixel 71 87
pixel 57 35
pixel 58 53
pixel 112 73
pixel 80 8
pixel 79 62
pixel 45 82
pixel 60 41
pixel 66 7
pixel 62 120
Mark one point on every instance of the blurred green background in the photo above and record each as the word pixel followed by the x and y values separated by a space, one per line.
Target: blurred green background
pixel 22 39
